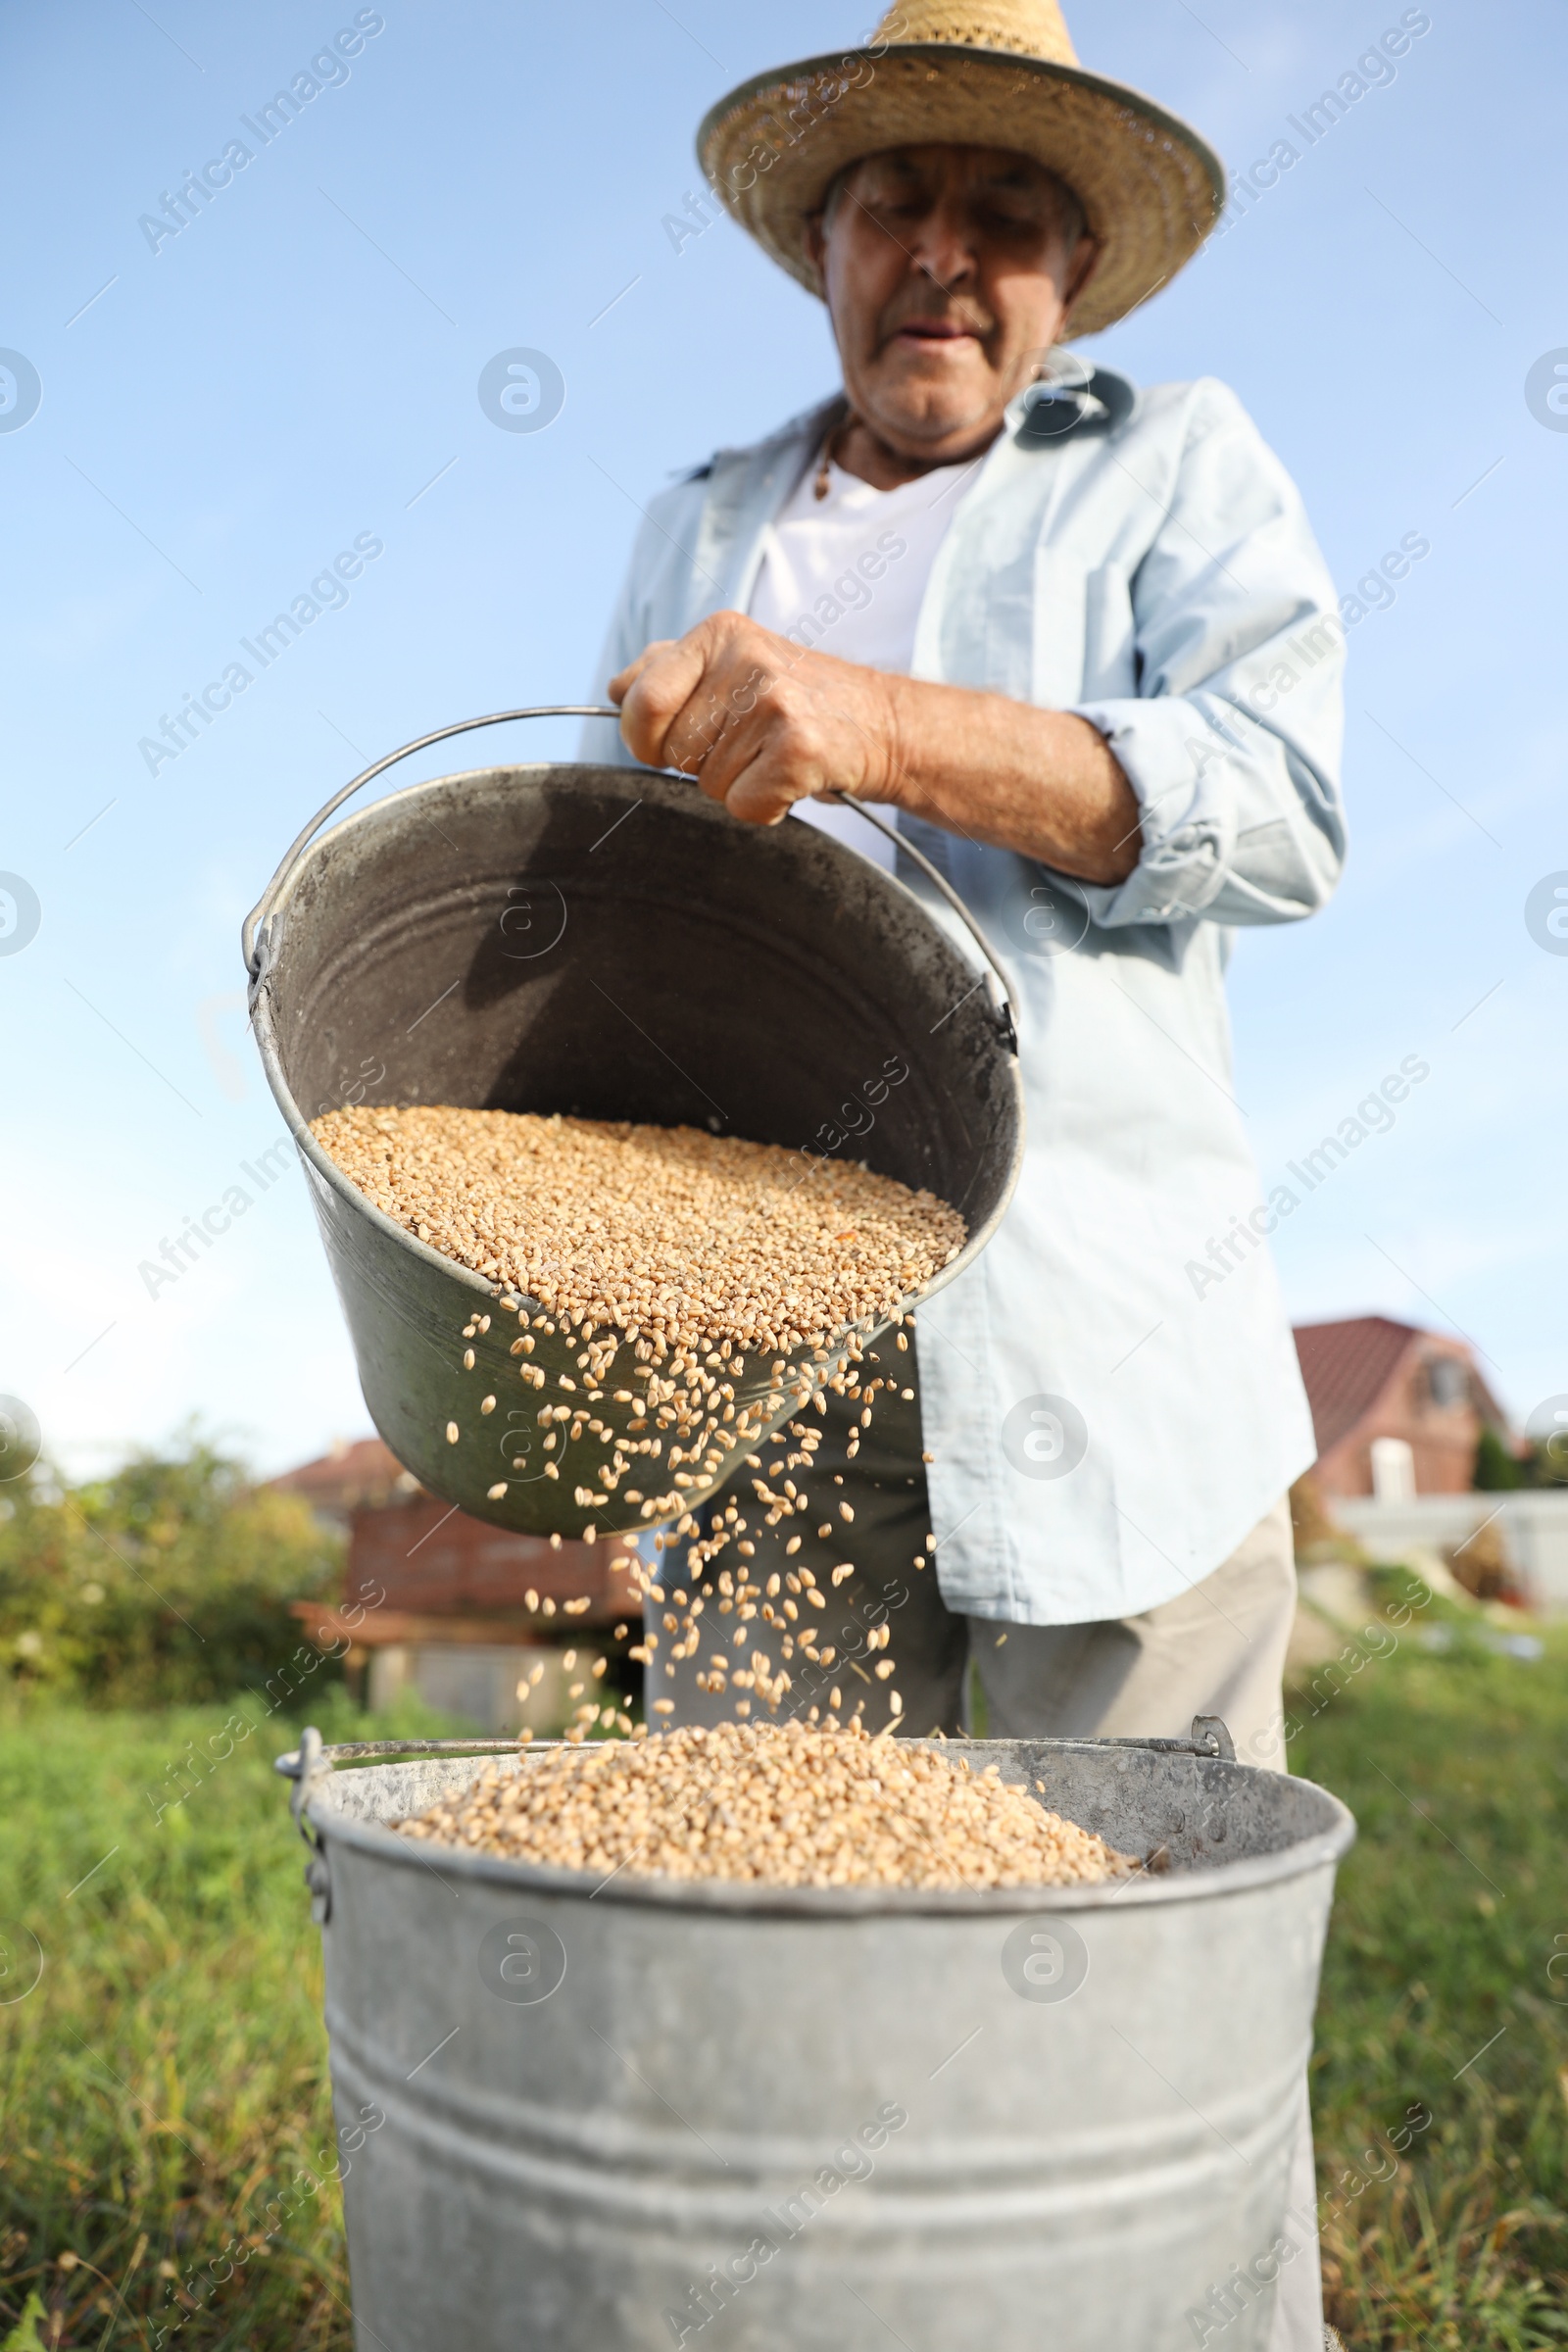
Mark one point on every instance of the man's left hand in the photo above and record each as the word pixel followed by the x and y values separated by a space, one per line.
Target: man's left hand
pixel 757 722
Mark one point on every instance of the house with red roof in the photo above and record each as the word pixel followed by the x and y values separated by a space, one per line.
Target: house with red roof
pixel 359 1475
pixel 473 1618
pixel 1398 1411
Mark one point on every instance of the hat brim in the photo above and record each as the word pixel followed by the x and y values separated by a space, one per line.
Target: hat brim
pixel 1151 187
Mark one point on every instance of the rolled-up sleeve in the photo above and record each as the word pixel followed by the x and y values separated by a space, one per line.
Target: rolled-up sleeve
pixel 1233 743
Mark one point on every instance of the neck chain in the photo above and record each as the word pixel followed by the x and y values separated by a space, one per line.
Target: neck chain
pixel 829 449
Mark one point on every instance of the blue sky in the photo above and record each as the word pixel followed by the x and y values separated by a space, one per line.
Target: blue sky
pixel 299 368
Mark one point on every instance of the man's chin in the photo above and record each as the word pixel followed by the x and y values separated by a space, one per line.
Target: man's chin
pixel 934 392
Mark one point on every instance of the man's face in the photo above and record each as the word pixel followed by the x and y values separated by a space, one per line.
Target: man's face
pixel 948 275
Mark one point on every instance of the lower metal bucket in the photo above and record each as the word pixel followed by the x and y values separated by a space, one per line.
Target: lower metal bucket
pixel 606 942
pixel 614 2119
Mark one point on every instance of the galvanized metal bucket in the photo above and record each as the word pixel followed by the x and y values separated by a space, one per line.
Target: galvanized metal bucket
pixel 605 942
pixel 606 2117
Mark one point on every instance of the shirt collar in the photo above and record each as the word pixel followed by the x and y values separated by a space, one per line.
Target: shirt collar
pixel 1045 412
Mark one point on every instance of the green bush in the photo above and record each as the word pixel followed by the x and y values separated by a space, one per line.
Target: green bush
pixel 1497 1468
pixel 165 1584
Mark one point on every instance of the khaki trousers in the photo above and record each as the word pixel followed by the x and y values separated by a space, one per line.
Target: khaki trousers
pixel 1216 1649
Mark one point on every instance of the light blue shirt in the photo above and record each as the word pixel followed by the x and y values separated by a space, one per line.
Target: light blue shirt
pixel 1110 1391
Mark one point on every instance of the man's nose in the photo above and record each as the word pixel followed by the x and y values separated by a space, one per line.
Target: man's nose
pixel 942 247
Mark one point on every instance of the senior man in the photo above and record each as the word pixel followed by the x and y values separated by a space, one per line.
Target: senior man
pixel 1076 639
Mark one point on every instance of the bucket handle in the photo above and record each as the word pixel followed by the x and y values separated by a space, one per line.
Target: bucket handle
pixel 251 940
pixel 250 928
pixel 312 1761
pixel 1006 1011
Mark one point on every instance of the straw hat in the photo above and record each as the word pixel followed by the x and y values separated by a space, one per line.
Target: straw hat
pixel 983 73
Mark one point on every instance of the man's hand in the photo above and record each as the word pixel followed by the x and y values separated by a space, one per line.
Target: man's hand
pixel 758 723
pixel 762 724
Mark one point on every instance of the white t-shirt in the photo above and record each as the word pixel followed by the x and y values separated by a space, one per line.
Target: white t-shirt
pixel 845 575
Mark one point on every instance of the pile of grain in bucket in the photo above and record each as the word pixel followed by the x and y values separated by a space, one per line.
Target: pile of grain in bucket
pixel 684 1238
pixel 786 1806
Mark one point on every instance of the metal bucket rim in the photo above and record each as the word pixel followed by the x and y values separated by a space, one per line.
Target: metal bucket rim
pixel 328 1168
pixel 1322 1848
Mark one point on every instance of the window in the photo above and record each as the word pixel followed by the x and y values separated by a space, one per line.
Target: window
pixel 1449 1382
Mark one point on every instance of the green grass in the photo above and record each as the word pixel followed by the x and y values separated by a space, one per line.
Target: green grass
pixel 1452 1909
pixel 165 2079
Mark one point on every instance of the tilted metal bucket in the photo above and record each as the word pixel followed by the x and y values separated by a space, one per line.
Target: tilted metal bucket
pixel 606 2117
pixel 605 942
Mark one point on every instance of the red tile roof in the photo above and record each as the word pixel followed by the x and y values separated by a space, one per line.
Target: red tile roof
pixel 1346 1367
pixel 350 1476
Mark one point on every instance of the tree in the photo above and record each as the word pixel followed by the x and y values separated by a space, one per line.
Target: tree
pixel 166 1582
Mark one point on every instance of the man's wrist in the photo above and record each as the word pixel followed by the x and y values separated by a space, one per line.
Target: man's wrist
pixel 891 780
